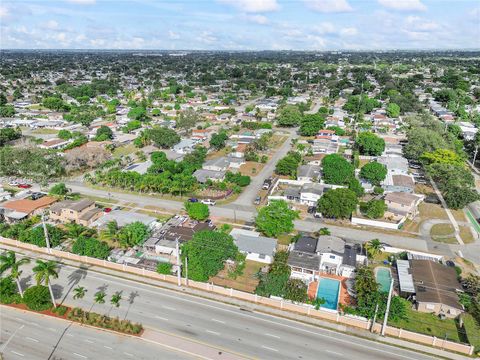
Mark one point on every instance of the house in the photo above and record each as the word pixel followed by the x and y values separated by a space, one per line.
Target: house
pixel 54 144
pixel 203 175
pixel 82 212
pixel 311 193
pixel 403 204
pixel 162 240
pixel 123 218
pixel 257 248
pixel 218 164
pixel 394 164
pixel 325 145
pixel 140 168
pixel 308 173
pixel 240 150
pixel 399 183
pixel 303 265
pixel 436 288
pixel 185 146
pixel 15 210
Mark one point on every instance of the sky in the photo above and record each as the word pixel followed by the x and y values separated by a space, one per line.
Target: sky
pixel 240 24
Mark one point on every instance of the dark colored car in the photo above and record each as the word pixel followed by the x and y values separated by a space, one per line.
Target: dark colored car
pixel 312 209
pixel 193 200
pixel 257 201
pixel 37 195
pixel 450 263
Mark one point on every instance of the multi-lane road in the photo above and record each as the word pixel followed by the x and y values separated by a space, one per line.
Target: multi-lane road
pixel 226 328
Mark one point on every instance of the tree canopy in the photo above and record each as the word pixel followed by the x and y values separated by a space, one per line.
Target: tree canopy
pixel 289 116
pixel 338 203
pixel 276 218
pixel 336 170
pixel 374 172
pixel 370 144
pixel 197 210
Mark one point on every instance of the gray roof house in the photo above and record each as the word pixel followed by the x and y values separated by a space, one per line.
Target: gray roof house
pixel 394 164
pixel 218 164
pixel 257 248
pixel 308 173
pixel 203 175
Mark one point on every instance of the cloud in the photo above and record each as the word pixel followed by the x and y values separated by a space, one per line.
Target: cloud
pixel 417 23
pixel 173 35
pixel 324 28
pixel 257 19
pixel 4 12
pixel 403 5
pixel 350 31
pixel 329 6
pixel 253 6
pixel 207 37
pixel 82 2
pixel 50 25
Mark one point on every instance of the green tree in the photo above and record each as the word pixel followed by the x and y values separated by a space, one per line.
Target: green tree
pixel 338 203
pixel 104 133
pixel 442 156
pixel 133 234
pixel 336 170
pixel 296 290
pixel 373 247
pixel 356 187
pixel 218 140
pixel 37 298
pixel 287 166
pixel 423 140
pixel 45 271
pixel 368 295
pixel 374 209
pixel 311 124
pixel 8 260
pixel 115 299
pixel 88 246
pixel 274 283
pixel 59 189
pixel 289 116
pixel 197 210
pixel 7 111
pixel 207 251
pixel 373 172
pixel 164 137
pixel 393 110
pixel 79 292
pixel 187 119
pixel 276 218
pixel 138 113
pixel 64 134
pixel 370 144
pixel 99 297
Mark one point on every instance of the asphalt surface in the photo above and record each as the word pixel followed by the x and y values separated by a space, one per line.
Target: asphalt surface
pixel 226 327
pixel 31 336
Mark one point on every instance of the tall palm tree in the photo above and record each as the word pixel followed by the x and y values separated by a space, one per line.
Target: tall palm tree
pixel 115 300
pixel 9 261
pixel 44 271
pixel 80 292
pixel 76 230
pixel 99 297
pixel 373 247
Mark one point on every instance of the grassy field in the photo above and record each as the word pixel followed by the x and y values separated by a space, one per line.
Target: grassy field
pixel 439 230
pixel 124 150
pixel 246 282
pixel 251 168
pixel 44 132
pixel 472 330
pixel 466 234
pixel 285 239
pixel 431 211
pixel 428 324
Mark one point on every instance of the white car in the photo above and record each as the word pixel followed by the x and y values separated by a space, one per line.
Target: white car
pixel 208 202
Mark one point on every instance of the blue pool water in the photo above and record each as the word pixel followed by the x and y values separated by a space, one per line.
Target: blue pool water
pixel 384 278
pixel 328 289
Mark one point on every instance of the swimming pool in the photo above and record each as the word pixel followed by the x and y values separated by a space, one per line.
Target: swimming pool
pixel 328 290
pixel 384 277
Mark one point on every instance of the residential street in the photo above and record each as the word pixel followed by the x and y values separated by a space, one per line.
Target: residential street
pixel 225 327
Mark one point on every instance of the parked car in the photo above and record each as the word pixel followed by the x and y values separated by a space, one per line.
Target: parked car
pixel 257 201
pixel 193 200
pixel 13 183
pixel 208 202
pixel 450 263
pixel 24 186
pixel 37 195
pixel 312 209
pixel 107 210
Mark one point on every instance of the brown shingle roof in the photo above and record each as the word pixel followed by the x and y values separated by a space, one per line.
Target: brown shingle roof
pixel 28 206
pixel 435 283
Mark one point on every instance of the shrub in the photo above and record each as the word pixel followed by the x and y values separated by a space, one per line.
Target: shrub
pixel 8 290
pixel 37 298
pixel 104 321
pixel 61 310
pixel 164 268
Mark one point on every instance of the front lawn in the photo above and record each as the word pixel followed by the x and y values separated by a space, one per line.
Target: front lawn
pixel 246 282
pixel 428 324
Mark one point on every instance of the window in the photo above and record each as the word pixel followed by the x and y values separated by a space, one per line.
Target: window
pixel 332 256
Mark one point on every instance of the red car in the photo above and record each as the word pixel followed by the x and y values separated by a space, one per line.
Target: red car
pixel 107 210
pixel 24 186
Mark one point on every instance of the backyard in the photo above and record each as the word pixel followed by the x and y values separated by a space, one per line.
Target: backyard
pixel 246 282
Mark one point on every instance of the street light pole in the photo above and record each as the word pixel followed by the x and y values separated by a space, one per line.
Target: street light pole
pixel 179 274
pixel 385 319
pixel 186 270
pixel 45 232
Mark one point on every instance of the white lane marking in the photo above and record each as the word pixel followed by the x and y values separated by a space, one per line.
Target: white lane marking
pixel 89 341
pixel 11 337
pixel 333 352
pixel 80 355
pixel 128 354
pixel 52 329
pixel 372 345
pixel 219 321
pixel 168 307
pixel 31 339
pixel 107 347
pixel 269 348
pixel 17 318
pixel 274 336
pixel 70 335
pixel 213 332
pixel 161 318
pixel 17 353
pixel 34 323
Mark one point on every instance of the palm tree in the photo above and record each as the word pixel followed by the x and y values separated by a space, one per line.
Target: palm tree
pixel 43 272
pixel 99 297
pixel 373 247
pixel 76 230
pixel 115 300
pixel 9 261
pixel 80 292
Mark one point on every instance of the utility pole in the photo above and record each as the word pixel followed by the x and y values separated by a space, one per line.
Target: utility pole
pixel 45 232
pixel 186 270
pixel 179 264
pixel 374 318
pixel 385 319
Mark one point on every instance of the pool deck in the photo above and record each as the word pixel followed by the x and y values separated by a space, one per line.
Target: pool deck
pixel 343 298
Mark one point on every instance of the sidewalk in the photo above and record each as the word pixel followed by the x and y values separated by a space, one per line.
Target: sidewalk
pixel 249 306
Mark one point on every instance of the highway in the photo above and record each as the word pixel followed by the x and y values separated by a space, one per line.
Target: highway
pixel 31 336
pixel 225 327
